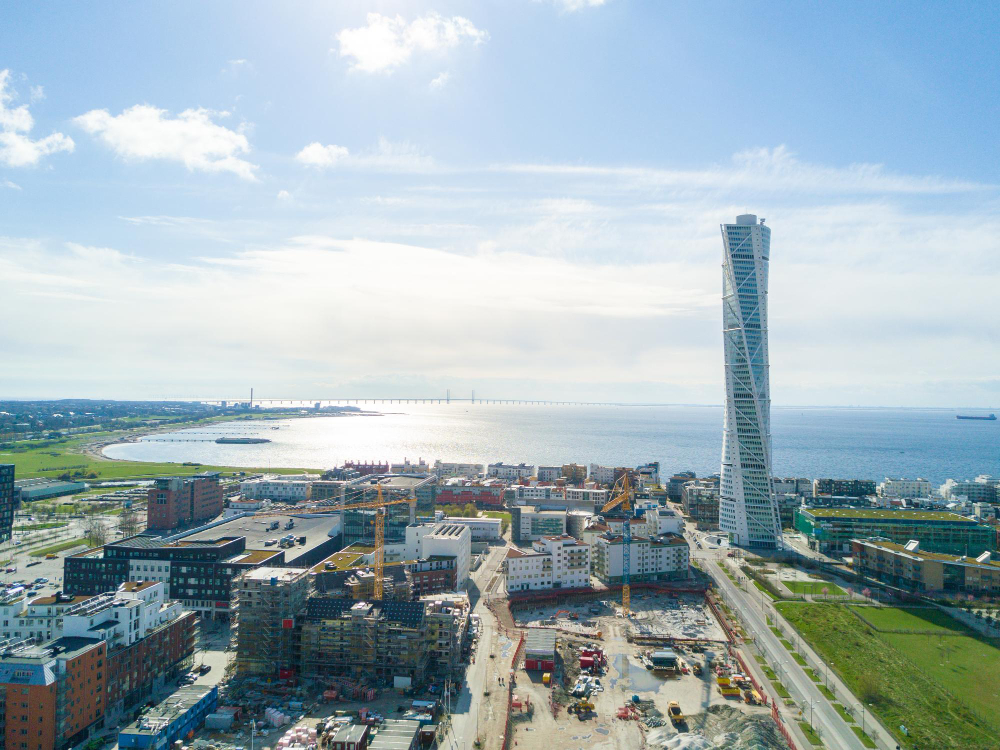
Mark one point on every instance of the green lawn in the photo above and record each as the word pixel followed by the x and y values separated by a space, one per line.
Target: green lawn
pixel 41 526
pixel 799 659
pixel 780 690
pixel 814 588
pixel 910 618
pixel 771 596
pixel 865 739
pixel 504 517
pixel 51 458
pixel 810 733
pixel 902 676
pixel 844 714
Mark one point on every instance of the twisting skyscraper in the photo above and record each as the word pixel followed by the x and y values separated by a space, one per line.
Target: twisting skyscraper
pixel 747 508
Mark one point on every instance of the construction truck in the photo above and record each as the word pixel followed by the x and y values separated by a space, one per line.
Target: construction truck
pixel 581 707
pixel 675 713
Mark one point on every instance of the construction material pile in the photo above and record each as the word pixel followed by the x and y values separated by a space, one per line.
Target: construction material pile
pixel 722 727
pixel 298 738
pixel 276 718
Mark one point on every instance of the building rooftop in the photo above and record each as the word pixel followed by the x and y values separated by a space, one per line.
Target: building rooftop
pixel 316 530
pixel 878 514
pixel 168 710
pixel 346 559
pixel 919 554
pixel 255 556
pixel 281 575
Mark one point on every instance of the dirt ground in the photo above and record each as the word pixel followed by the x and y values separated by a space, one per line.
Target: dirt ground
pixel 711 717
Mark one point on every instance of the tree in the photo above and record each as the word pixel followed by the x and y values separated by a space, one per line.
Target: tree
pixel 95 531
pixel 128 522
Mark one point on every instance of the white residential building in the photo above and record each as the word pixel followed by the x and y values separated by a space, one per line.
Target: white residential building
pixel 549 473
pixel 483 529
pixel 278 489
pixel 449 470
pixel 529 523
pixel 510 472
pixel 533 493
pixel 124 616
pixel 602 474
pixel 445 539
pixel 408 467
pixel 578 497
pixel 450 539
pixel 664 521
pixel 978 490
pixel 639 527
pixel 560 562
pixel 665 558
pixel 905 488
pixel 747 508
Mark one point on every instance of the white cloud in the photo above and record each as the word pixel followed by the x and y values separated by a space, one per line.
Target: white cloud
pixel 386 155
pixel 386 42
pixel 763 169
pixel 284 195
pixel 320 156
pixel 144 132
pixel 235 67
pixel 441 79
pixel 37 93
pixel 17 149
pixel 11 185
pixel 574 5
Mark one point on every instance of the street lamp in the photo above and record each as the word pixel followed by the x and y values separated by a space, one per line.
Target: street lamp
pixel 812 705
pixel 862 706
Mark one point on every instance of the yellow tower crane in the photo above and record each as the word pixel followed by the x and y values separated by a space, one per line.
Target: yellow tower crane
pixel 379 504
pixel 621 496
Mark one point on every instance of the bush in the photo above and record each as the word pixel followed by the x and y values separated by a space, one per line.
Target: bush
pixel 869 688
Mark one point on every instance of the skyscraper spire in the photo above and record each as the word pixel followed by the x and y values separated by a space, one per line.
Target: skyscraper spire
pixel 747 507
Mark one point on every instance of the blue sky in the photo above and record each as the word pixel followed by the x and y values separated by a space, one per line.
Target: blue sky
pixel 522 197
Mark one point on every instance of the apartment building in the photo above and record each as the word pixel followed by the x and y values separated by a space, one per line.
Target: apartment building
pixel 833 529
pixel 844 487
pixel 181 501
pixel 801 486
pixel 676 483
pixel 587 498
pixel 6 501
pixel 700 501
pixel 400 643
pixel 483 529
pixel 510 472
pixel 52 696
pixel 603 474
pixel 556 562
pixel 661 559
pixel 978 490
pixel 905 488
pixel 663 521
pixel 198 573
pixel 446 470
pixel 283 489
pixel 549 473
pixel 911 568
pixel 450 540
pixel 483 496
pixel 574 473
pixel 268 601
pixel 531 522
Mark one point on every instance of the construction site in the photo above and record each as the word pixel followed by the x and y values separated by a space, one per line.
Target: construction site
pixel 663 677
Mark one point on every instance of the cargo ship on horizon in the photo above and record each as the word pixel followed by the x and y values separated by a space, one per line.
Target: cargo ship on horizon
pixel 990 418
pixel 241 440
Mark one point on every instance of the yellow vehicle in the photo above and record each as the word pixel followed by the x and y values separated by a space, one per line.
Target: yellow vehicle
pixel 51 556
pixel 675 713
pixel 581 707
pixel 546 678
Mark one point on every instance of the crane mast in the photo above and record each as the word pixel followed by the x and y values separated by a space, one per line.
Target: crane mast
pixel 622 496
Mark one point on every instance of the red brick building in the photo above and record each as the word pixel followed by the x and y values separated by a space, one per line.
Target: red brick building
pixel 159 657
pixel 180 501
pixel 482 496
pixel 434 575
pixel 52 696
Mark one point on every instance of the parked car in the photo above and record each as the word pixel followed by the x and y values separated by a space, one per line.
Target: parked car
pixel 11 570
pixel 205 668
pixel 41 580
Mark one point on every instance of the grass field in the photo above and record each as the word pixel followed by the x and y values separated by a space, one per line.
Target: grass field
pixel 52 458
pixel 815 588
pixel 910 618
pixel 504 517
pixel 906 679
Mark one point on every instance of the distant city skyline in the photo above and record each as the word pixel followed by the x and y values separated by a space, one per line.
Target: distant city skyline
pixel 519 198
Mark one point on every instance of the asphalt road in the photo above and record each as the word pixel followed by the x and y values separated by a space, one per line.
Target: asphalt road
pixel 834 732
